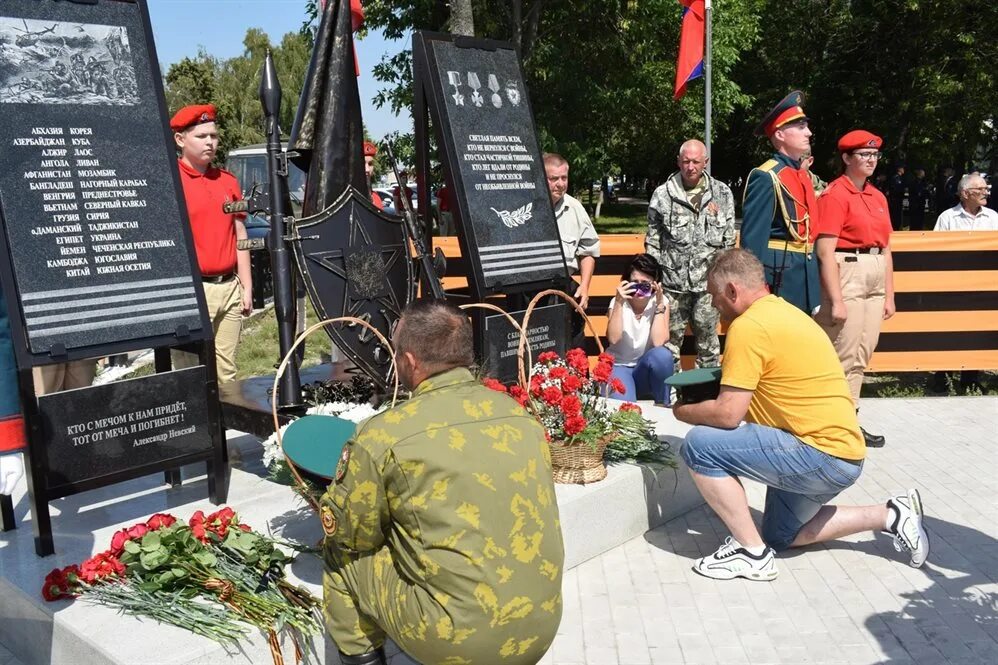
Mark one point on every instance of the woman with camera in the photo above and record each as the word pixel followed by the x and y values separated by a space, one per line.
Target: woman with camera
pixel 637 328
pixel 854 251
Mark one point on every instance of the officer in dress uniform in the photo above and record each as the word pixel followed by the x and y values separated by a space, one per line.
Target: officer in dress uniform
pixel 779 208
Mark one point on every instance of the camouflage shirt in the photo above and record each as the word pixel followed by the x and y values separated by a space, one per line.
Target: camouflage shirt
pixel 456 482
pixel 684 239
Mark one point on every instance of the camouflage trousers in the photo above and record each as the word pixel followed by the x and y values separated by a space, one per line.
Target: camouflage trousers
pixel 365 600
pixel 694 308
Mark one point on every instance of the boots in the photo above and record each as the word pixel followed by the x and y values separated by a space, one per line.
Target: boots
pixel 376 657
pixel 873 440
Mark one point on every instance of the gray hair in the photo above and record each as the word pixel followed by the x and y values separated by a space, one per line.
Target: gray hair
pixel 965 181
pixel 736 265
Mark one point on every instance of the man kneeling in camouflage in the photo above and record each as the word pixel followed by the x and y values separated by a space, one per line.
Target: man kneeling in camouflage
pixel 441 525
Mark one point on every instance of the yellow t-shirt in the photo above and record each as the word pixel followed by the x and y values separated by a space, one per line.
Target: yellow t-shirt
pixel 777 351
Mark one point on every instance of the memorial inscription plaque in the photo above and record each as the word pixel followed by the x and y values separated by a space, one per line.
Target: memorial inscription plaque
pixel 143 421
pixel 546 332
pixel 98 242
pixel 480 106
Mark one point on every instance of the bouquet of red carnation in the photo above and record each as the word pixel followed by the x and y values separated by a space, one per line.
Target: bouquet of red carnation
pixel 212 575
pixel 567 397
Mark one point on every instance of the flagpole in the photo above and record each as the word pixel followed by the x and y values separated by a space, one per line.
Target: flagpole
pixel 707 70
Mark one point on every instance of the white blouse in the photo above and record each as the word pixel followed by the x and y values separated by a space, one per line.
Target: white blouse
pixel 635 336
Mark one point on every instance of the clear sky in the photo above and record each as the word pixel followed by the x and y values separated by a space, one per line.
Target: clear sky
pixel 182 27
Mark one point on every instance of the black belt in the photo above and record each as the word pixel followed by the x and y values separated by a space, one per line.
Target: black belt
pixel 217 279
pixel 861 250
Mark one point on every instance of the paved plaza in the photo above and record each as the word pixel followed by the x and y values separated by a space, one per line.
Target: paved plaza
pixel 851 601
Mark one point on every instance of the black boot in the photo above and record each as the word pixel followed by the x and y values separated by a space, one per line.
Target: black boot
pixel 376 657
pixel 873 440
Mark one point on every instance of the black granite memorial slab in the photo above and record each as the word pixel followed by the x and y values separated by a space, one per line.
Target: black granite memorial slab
pixel 500 340
pixel 98 243
pixel 476 93
pixel 125 425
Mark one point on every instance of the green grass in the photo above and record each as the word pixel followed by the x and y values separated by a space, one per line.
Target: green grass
pixel 621 218
pixel 258 351
pixel 920 384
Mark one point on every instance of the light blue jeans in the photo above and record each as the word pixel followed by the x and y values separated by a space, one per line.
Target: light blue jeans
pixel 801 478
pixel 647 376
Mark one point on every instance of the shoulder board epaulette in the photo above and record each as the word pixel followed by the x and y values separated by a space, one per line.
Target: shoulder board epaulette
pixel 768 165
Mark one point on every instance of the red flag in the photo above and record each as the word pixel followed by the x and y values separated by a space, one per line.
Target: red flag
pixel 689 65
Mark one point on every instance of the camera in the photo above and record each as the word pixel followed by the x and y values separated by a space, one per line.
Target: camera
pixel 642 289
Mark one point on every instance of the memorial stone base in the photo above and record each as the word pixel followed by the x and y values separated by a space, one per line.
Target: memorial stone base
pixel 594 518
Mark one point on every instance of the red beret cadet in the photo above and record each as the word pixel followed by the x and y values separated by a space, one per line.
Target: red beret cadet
pixel 859 138
pixel 370 150
pixel 192 115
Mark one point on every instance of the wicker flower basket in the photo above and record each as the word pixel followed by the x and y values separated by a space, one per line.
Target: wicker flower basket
pixel 577 463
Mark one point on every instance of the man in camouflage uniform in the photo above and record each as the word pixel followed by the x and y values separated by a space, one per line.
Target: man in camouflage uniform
pixel 441 525
pixel 690 218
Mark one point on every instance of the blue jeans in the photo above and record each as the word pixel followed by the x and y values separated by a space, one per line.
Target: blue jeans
pixel 647 376
pixel 801 478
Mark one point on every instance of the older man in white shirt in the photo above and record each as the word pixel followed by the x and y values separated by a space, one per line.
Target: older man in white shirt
pixel 969 214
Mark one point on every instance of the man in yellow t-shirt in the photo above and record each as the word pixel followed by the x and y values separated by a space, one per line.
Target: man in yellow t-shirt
pixel 800 438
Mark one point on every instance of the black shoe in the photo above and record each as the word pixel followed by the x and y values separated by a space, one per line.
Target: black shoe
pixel 376 657
pixel 873 440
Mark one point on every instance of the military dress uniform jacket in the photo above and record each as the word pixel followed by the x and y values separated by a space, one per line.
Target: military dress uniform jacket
pixel 683 239
pixel 452 492
pixel 779 214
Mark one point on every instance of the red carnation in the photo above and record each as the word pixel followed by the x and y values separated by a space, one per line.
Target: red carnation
pixel 630 406
pixel 575 353
pixel 493 384
pixel 574 425
pixel 197 524
pixel 571 383
pixel 118 541
pixel 602 372
pixel 136 532
pixel 160 521
pixel 535 385
pixel 519 394
pixel 547 356
pixel 571 405
pixel 617 386
pixel 558 373
pixel 606 358
pixel 551 395
pixel 578 361
pixel 60 582
pixel 101 566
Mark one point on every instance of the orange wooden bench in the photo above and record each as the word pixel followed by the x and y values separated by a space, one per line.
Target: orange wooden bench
pixel 946 293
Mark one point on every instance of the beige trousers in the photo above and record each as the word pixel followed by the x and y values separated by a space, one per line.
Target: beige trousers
pixel 862 279
pixel 64 376
pixel 224 309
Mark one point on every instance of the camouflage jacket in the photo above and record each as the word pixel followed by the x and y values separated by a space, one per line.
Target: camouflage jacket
pixel 457 483
pixel 682 239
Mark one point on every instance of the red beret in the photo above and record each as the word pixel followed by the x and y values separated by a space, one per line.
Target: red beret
pixel 859 138
pixel 370 150
pixel 192 115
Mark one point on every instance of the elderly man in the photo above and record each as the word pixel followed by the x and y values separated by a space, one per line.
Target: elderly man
pixel 970 214
pixel 781 375
pixel 578 235
pixel 441 524
pixel 780 210
pixel 225 271
pixel 690 218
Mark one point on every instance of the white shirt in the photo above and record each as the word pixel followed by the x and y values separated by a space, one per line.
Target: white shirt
pixel 635 336
pixel 959 219
pixel 578 236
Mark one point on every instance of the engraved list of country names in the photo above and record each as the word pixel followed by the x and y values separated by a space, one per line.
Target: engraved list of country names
pixel 94 234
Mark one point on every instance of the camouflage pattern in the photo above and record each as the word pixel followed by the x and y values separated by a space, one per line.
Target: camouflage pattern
pixel 443 530
pixel 684 239
pixel 694 309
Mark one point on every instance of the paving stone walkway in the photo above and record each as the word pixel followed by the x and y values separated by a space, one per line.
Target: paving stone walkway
pixel 853 601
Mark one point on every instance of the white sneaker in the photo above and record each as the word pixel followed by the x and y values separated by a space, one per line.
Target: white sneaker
pixel 731 560
pixel 906 527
